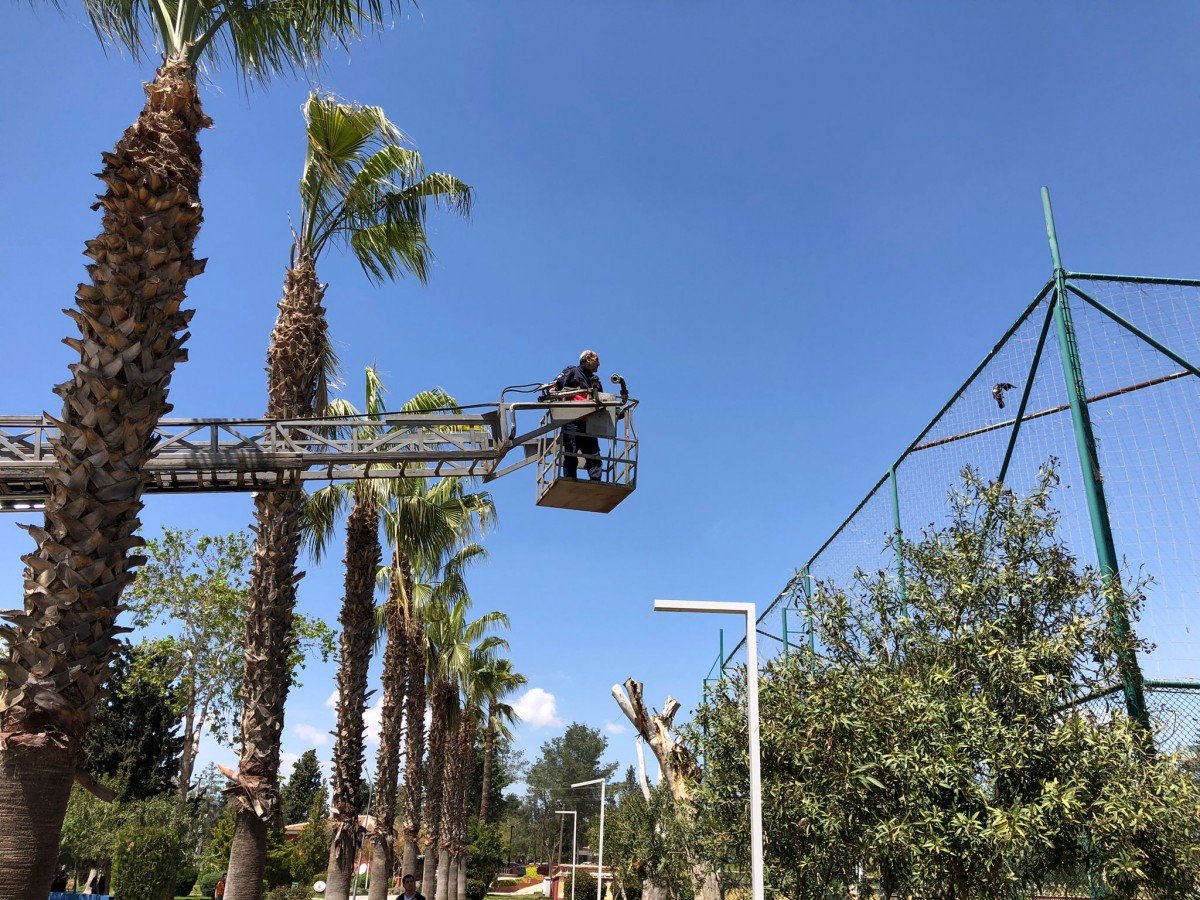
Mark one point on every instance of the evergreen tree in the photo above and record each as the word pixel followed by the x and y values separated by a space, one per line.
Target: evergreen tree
pixel 564 761
pixel 133 742
pixel 310 852
pixel 302 788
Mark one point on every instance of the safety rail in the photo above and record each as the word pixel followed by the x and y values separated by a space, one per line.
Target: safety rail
pixel 215 455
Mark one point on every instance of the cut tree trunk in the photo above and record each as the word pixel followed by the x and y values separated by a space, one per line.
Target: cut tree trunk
pixel 387 764
pixel 415 696
pixel 363 554
pixel 294 370
pixel 676 764
pixel 132 329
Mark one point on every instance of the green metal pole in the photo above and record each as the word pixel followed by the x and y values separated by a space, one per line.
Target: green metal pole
pixel 721 650
pixel 1093 484
pixel 899 535
pixel 812 634
pixel 785 634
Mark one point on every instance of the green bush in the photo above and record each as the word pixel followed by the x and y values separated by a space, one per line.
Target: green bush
pixel 208 883
pixel 585 886
pixel 300 892
pixel 476 889
pixel 147 856
pixel 185 881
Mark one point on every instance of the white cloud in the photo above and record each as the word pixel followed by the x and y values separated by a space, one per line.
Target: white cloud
pixel 373 719
pixel 331 701
pixel 287 761
pixel 538 708
pixel 614 728
pixel 314 736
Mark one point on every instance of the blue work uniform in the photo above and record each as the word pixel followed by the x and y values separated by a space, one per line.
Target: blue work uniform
pixel 576 441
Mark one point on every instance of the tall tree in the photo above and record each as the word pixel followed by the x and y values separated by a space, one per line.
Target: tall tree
pixel 456 644
pixel 496 682
pixel 361 188
pixel 131 333
pixel 134 742
pixel 426 526
pixel 303 786
pixel 565 760
pixel 366 497
pixel 194 587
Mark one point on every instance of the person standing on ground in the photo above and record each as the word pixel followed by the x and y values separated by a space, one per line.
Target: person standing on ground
pixel 410 888
pixel 583 379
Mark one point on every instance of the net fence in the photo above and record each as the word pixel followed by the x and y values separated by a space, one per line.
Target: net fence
pixel 1138 348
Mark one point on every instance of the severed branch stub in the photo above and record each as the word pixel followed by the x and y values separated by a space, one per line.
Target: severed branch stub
pixel 675 761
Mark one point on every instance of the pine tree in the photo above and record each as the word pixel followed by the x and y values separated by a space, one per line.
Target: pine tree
pixel 133 743
pixel 302 788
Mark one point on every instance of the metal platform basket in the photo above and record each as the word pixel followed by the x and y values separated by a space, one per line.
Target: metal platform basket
pixel 614 430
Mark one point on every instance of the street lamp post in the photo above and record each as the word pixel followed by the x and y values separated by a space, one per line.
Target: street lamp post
pixel 574 831
pixel 747 610
pixel 600 861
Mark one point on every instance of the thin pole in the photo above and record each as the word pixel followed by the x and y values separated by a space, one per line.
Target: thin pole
pixel 370 788
pixel 785 633
pixel 806 581
pixel 1089 464
pixel 899 538
pixel 574 853
pixel 600 864
pixel 756 831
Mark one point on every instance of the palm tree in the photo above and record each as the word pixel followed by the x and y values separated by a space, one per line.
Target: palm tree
pixel 132 329
pixel 362 188
pixel 455 644
pixel 427 526
pixel 365 497
pixel 497 681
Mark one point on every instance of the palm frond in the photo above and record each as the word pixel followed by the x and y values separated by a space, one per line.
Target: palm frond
pixel 320 516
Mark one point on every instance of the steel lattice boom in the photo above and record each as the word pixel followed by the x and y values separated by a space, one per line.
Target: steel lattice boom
pixel 212 455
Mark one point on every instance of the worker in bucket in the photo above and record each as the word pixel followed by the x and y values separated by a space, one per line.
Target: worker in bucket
pixel 576 441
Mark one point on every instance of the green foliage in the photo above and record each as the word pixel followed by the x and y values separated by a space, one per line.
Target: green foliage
pixel 207 884
pixel 133 742
pixel 302 788
pixel 649 840
pixel 931 749
pixel 185 880
pixel 195 587
pixel 565 760
pixel 485 852
pixel 585 886
pixel 215 858
pixel 287 892
pixel 310 851
pixel 89 830
pixel 279 860
pixel 364 188
pixel 476 889
pixel 149 851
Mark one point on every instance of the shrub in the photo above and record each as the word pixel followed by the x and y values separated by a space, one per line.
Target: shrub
pixel 185 880
pixel 476 889
pixel 585 886
pixel 300 892
pixel 148 852
pixel 208 883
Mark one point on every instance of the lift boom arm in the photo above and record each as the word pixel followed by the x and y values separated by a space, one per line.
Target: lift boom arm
pixel 199 455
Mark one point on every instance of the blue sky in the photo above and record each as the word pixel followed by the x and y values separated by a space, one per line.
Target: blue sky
pixel 794 227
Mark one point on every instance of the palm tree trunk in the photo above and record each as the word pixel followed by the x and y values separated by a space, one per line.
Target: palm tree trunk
pixel 414 738
pixel 294 368
pixel 489 747
pixel 131 334
pixel 466 743
pixel 435 783
pixel 387 766
pixel 362 559
pixel 451 802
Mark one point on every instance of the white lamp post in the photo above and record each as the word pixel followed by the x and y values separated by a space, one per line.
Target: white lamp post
pixel 600 861
pixel 574 829
pixel 747 610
